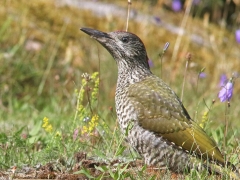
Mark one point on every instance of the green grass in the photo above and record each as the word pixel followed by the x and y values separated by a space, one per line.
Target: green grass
pixel 47 82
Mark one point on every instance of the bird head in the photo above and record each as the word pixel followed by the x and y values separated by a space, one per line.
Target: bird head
pixel 126 48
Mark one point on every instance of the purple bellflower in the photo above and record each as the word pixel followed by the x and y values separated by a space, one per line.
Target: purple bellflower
pixel 202 75
pixel 225 94
pixel 176 5
pixel 223 80
pixel 237 35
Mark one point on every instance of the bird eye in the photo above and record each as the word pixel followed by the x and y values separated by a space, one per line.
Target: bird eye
pixel 125 39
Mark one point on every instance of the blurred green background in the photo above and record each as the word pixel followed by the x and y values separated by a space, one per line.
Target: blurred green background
pixel 43 55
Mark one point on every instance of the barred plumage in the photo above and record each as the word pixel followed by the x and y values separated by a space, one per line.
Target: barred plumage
pixel 159 127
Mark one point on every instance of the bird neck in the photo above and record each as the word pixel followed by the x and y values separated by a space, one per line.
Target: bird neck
pixel 130 73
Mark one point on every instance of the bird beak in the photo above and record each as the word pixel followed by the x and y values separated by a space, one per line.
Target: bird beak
pixel 95 33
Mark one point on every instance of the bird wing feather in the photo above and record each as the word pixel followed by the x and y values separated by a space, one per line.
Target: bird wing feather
pixel 159 110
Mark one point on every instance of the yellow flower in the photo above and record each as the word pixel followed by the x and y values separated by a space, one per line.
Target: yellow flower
pixel 84 129
pixel 94 75
pixel 84 82
pixel 90 129
pixel 45 122
pixel 82 90
pixel 81 93
pixel 49 128
pixel 94 120
pixel 95 78
pixel 91 125
pixel 80 108
pixel 204 119
pixel 46 125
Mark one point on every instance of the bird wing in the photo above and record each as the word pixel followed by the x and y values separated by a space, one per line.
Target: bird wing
pixel 159 110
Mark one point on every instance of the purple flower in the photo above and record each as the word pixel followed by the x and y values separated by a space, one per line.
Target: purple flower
pixel 237 35
pixel 176 5
pixel 223 80
pixel 150 63
pixel 157 19
pixel 202 75
pixel 226 92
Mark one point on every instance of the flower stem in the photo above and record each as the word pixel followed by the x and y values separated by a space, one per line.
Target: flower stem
pixel 227 109
pixel 128 13
pixel 185 73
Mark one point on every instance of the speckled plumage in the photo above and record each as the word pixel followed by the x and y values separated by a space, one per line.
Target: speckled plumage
pixel 159 127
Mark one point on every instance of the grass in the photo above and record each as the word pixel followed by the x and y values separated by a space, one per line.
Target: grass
pixel 43 58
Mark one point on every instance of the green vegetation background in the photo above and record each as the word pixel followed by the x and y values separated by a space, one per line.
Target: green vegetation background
pixel 43 56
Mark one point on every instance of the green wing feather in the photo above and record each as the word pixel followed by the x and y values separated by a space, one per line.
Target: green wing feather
pixel 160 111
